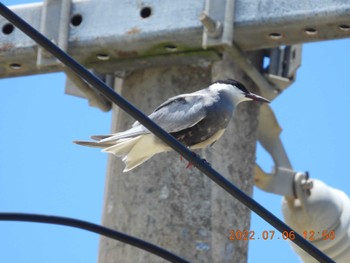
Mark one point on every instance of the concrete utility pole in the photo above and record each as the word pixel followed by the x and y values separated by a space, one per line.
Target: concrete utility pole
pixel 163 202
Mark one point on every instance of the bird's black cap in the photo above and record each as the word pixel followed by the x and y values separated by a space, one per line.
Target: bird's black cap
pixel 234 83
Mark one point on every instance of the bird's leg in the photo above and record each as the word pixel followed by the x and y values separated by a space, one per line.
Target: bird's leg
pixel 190 165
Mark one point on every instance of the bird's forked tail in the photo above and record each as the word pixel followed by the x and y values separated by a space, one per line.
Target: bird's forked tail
pixel 133 150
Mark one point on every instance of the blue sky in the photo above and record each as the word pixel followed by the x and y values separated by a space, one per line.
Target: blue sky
pixel 41 171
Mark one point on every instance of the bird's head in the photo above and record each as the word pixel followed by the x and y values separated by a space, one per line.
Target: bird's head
pixel 239 92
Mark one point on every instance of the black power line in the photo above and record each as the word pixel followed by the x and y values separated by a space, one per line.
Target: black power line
pixel 159 132
pixel 105 231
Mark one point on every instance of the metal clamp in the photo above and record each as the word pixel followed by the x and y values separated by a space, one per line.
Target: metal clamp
pixel 284 62
pixel 302 186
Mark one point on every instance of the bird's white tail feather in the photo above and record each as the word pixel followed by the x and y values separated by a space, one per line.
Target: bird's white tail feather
pixel 128 134
pixel 133 163
pixel 137 150
pixel 93 144
pixel 122 147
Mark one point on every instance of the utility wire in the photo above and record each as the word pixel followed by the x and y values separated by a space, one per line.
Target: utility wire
pixel 72 222
pixel 160 133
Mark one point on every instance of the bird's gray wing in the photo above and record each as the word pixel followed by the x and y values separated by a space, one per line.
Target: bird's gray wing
pixel 175 114
pixel 181 112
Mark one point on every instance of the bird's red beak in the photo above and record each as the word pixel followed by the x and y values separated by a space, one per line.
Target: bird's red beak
pixel 257 97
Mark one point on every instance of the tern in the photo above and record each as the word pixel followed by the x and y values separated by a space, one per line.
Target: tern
pixel 196 119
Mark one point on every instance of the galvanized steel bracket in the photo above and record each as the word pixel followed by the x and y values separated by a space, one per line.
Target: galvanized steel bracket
pixel 54 24
pixel 76 86
pixel 127 35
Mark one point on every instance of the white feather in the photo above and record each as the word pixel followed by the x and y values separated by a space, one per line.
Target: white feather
pixel 137 150
pixel 131 133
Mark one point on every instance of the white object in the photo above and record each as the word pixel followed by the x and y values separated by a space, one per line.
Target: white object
pixel 323 218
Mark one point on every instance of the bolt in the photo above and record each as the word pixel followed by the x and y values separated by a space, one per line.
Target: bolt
pixel 213 28
pixel 307 184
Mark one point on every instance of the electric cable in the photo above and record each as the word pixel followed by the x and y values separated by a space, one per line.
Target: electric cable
pixel 160 133
pixel 105 231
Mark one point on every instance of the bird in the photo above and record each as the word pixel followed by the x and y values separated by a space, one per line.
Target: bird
pixel 195 119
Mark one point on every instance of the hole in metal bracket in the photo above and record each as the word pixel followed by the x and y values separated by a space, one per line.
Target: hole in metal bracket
pixel 170 48
pixel 76 20
pixel 275 36
pixel 15 66
pixel 344 27
pixel 102 56
pixel 310 31
pixel 7 28
pixel 146 12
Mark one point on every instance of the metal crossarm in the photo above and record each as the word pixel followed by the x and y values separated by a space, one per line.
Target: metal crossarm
pixel 127 31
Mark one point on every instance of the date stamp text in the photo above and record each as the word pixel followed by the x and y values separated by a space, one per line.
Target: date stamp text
pixel 309 235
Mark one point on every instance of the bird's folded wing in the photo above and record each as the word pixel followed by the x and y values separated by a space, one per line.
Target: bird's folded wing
pixel 180 112
pixel 175 114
